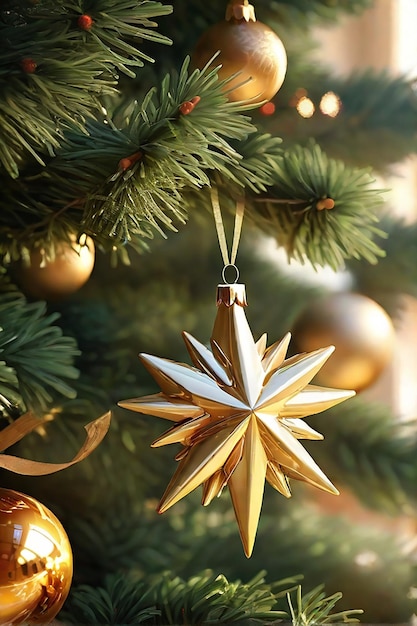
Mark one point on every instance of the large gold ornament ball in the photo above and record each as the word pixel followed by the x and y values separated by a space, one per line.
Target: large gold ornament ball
pixel 360 330
pixel 59 277
pixel 250 48
pixel 35 561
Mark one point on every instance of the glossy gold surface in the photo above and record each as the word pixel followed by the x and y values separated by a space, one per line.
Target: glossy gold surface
pixel 57 278
pixel 361 331
pixel 35 560
pixel 238 414
pixel 249 49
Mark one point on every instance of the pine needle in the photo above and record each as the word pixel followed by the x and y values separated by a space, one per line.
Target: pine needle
pixel 38 359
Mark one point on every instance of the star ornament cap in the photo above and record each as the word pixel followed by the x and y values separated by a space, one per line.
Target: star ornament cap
pixel 238 414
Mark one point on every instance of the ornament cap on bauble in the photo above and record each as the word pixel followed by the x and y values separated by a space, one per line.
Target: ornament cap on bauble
pixel 240 10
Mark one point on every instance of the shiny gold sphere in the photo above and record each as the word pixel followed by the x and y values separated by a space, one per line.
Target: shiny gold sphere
pixel 250 48
pixel 360 330
pixel 66 273
pixel 35 560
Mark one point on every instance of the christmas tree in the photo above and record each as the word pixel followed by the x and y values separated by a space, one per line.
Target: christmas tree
pixel 122 130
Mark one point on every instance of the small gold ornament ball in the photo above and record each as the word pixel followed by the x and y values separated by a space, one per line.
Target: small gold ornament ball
pixel 360 330
pixel 250 48
pixel 35 561
pixel 66 273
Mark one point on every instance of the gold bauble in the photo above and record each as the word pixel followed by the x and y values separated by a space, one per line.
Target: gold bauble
pixel 360 330
pixel 247 47
pixel 59 277
pixel 35 560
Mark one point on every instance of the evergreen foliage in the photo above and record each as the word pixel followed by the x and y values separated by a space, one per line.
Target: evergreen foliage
pixel 315 608
pixel 71 68
pixel 203 599
pixel 305 230
pixel 37 358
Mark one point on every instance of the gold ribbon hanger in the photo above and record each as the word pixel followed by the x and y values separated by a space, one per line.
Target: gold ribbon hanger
pixel 229 261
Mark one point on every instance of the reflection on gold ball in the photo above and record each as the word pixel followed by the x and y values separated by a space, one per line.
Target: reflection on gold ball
pixel 35 560
pixel 251 48
pixel 53 279
pixel 360 330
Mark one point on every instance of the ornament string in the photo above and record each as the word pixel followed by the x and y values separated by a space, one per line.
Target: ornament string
pixel 221 233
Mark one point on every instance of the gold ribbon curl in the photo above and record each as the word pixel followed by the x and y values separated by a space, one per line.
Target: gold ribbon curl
pixel 96 431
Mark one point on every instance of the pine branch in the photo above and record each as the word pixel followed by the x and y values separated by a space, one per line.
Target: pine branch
pixel 128 182
pixel 315 608
pixel 376 457
pixel 52 71
pixel 320 209
pixel 9 387
pixel 203 599
pixel 134 181
pixel 295 185
pixel 121 601
pixel 131 181
pixel 37 358
pixel 119 25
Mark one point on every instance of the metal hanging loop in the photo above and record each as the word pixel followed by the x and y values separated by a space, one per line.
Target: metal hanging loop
pixel 226 267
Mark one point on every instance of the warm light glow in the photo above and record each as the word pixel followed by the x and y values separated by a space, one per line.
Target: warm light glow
pixel 25 556
pixel 330 104
pixel 53 564
pixel 38 542
pixel 305 107
pixel 300 93
pixel 367 558
pixel 412 593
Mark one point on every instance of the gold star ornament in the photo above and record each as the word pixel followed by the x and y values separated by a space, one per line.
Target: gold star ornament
pixel 237 414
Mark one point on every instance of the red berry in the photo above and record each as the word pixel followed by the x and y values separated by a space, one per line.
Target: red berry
pixel 188 106
pixel 128 161
pixel 325 203
pixel 267 109
pixel 125 163
pixel 28 65
pixel 85 22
